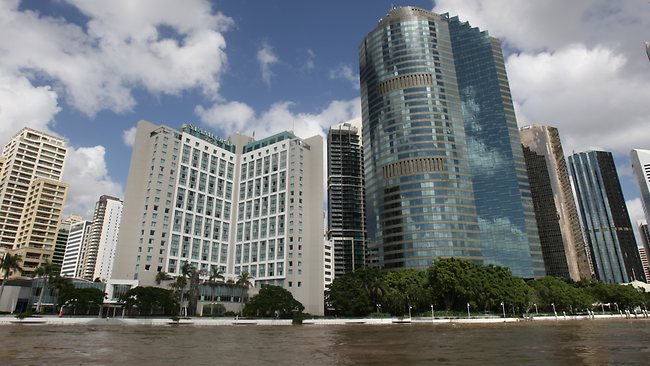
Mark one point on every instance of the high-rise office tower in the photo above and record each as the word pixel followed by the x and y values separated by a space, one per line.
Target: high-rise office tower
pixel 238 205
pixel 99 253
pixel 346 229
pixel 77 241
pixel 641 166
pixel 605 220
pixel 564 250
pixel 31 196
pixel 62 240
pixel 644 249
pixel 445 172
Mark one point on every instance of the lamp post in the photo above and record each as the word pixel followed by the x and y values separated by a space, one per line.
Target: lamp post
pixel 536 313
pixel 468 314
pixel 602 308
pixel 410 307
pixel 378 308
pixel 554 312
pixel 432 317
pixel 503 307
pixel 616 304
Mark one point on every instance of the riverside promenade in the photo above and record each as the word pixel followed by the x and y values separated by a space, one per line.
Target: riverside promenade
pixel 74 320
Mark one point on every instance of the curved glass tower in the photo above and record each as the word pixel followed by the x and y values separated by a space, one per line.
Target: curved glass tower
pixel 445 173
pixel 418 184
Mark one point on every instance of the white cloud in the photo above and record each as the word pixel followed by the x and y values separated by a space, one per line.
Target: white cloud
pixel 578 65
pixel 231 116
pixel 239 117
pixel 160 46
pixel 309 64
pixel 266 58
pixel 24 105
pixel 345 72
pixel 128 136
pixel 586 93
pixel 87 174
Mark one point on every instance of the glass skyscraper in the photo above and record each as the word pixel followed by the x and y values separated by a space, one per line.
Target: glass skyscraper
pixel 346 229
pixel 605 220
pixel 445 173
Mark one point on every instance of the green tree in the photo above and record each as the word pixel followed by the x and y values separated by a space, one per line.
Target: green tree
pixel 151 301
pixel 453 282
pixel 8 264
pixel 349 296
pixel 404 288
pixel 82 300
pixel 46 272
pixel 215 278
pixel 59 285
pixel 162 276
pixel 244 281
pixel 551 290
pixel 273 301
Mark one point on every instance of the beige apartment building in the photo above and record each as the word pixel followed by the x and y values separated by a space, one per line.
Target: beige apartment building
pixel 236 204
pixel 31 196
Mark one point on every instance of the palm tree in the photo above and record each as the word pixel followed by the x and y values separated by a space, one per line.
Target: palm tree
pixel 46 271
pixel 244 280
pixel 162 276
pixel 8 264
pixel 179 287
pixel 216 277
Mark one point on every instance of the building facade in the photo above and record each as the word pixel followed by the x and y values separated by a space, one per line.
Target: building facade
pixel 238 205
pixel 438 127
pixel 346 230
pixel 78 237
pixel 31 196
pixel 564 250
pixel 641 166
pixel 99 253
pixel 605 220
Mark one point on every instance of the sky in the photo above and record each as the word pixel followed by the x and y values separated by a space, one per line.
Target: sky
pixel 89 70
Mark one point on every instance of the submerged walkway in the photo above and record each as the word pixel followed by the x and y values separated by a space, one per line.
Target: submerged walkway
pixel 54 320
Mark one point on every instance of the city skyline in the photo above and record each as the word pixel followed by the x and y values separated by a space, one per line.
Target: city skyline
pixel 264 78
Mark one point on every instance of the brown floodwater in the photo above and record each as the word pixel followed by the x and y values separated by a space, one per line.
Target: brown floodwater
pixel 583 342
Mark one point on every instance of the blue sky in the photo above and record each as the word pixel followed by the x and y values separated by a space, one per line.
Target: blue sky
pixel 89 71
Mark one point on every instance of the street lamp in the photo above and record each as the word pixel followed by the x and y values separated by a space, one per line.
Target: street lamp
pixel 616 304
pixel 503 307
pixel 554 312
pixel 468 314
pixel 378 308
pixel 410 307
pixel 536 313
pixel 432 317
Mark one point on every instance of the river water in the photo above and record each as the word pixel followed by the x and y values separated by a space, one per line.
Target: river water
pixel 581 342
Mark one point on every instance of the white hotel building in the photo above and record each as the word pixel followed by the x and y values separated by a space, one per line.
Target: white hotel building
pixel 239 204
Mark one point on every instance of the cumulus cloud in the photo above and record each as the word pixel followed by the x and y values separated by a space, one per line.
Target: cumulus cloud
pixel 160 46
pixel 87 174
pixel 266 58
pixel 24 105
pixel 128 136
pixel 345 72
pixel 579 65
pixel 239 117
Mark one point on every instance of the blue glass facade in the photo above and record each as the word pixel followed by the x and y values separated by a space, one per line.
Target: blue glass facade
pixel 445 175
pixel 605 219
pixel 508 229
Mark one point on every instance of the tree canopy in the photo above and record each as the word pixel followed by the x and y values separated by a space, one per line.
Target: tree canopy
pixel 273 301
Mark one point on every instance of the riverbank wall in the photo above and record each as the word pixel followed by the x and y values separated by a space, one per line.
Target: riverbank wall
pixel 54 320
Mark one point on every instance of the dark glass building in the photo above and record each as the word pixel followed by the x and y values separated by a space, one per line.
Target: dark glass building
pixel 605 220
pixel 560 234
pixel 345 198
pixel 445 173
